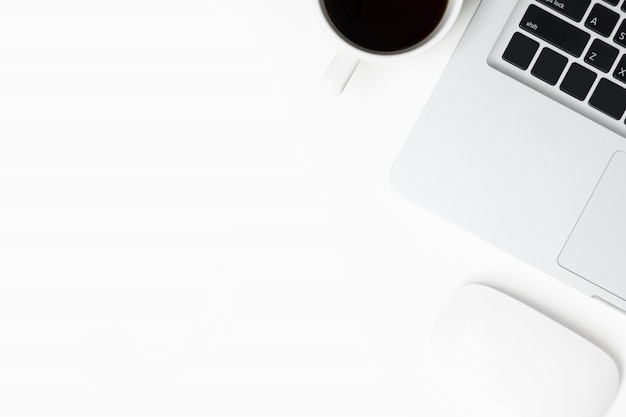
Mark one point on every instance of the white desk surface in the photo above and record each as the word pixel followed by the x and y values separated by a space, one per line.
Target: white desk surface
pixel 190 227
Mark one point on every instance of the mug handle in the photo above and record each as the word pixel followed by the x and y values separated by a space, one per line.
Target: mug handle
pixel 339 72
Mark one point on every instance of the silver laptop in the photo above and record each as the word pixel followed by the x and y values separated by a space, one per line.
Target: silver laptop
pixel 523 141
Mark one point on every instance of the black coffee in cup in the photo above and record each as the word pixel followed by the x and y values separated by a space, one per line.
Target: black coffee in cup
pixel 385 26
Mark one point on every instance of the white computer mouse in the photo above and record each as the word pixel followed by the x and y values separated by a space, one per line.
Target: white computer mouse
pixel 522 359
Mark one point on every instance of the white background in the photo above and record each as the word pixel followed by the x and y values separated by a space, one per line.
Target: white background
pixel 190 227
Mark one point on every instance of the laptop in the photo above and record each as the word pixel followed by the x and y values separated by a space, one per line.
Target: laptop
pixel 523 141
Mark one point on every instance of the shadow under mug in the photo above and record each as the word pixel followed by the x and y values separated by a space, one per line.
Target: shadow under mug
pixel 350 53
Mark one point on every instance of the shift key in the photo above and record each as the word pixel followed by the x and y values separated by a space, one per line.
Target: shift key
pixel 574 9
pixel 554 30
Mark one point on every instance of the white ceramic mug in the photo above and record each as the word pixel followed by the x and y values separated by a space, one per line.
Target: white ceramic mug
pixel 347 58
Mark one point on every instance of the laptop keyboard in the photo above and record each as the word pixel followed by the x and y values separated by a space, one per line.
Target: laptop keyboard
pixel 573 51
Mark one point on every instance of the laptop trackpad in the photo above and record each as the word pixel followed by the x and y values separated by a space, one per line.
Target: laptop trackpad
pixel 596 249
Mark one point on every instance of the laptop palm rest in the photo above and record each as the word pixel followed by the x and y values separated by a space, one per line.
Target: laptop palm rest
pixel 596 248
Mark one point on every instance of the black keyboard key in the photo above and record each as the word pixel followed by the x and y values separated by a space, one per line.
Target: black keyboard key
pixel 620 36
pixel 574 9
pixel 609 98
pixel 624 6
pixel 612 2
pixel 602 20
pixel 520 51
pixel 549 66
pixel 578 81
pixel 551 29
pixel 620 70
pixel 601 55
